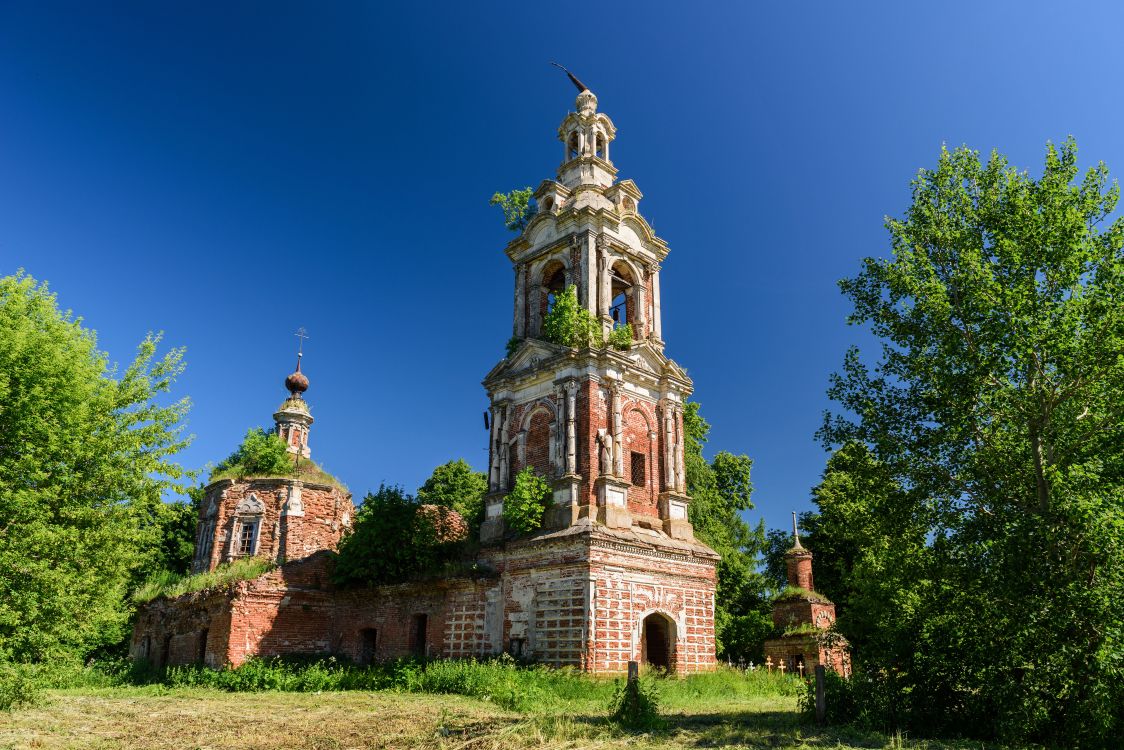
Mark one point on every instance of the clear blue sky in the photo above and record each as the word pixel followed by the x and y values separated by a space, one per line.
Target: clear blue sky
pixel 227 172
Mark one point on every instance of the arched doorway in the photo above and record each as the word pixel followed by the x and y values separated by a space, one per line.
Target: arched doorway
pixel 657 640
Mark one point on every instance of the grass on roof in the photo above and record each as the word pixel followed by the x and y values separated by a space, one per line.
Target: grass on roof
pixel 305 470
pixel 171 585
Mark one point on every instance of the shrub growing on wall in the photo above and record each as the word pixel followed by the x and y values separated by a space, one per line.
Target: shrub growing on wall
pixel 570 324
pixel 395 538
pixel 525 505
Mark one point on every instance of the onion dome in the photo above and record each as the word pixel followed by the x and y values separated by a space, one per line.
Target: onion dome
pixel 297 382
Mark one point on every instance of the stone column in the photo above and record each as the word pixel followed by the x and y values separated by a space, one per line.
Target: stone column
pixel 520 328
pixel 641 326
pixel 618 453
pixel 493 454
pixel 669 463
pixel 657 327
pixel 571 427
pixel 501 448
pixel 681 469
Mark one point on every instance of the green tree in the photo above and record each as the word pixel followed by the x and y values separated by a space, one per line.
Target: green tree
pixel 996 409
pixel 518 208
pixel 391 542
pixel 455 485
pixel 85 457
pixel 525 506
pixel 262 454
pixel 720 491
pixel 570 324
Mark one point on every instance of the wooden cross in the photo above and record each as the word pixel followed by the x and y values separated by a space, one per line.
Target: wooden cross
pixel 769 663
pixel 781 666
pixel 800 666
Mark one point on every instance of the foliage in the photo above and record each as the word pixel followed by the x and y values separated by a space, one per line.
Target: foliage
pixel 17 688
pixel 991 504
pixel 455 485
pixel 621 337
pixel 511 345
pixel 720 491
pixel 169 584
pixel 525 505
pixel 570 324
pixel 85 457
pixel 262 454
pixel 636 706
pixel 518 208
pixel 391 541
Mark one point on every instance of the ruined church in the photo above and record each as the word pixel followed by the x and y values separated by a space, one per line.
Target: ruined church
pixel 614 575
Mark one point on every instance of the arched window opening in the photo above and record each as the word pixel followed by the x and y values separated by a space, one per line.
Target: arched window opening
pixel 572 146
pixel 547 204
pixel 555 285
pixel 620 310
pixel 201 647
pixel 657 637
pixel 599 150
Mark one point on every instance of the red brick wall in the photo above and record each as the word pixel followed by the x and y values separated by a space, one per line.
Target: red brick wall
pixel 637 427
pixel 630 585
pixel 537 451
pixel 327 512
pixel 799 569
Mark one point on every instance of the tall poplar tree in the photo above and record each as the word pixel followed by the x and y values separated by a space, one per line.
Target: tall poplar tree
pixel 996 411
pixel 85 457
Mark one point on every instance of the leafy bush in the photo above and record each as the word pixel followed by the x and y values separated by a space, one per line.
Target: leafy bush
pixel 636 706
pixel 393 541
pixel 455 485
pixel 525 505
pixel 512 344
pixel 17 687
pixel 570 324
pixel 518 208
pixel 166 583
pixel 261 453
pixel 621 337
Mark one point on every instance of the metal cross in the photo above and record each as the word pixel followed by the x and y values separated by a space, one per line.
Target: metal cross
pixel 302 335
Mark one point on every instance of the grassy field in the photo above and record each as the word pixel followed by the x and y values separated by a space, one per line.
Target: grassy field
pixel 158 718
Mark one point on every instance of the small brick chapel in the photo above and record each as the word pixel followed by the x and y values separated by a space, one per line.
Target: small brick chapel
pixel 614 575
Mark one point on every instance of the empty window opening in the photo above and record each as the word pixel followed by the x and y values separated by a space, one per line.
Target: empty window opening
pixel 599 141
pixel 517 647
pixel 638 473
pixel 417 636
pixel 555 285
pixel 165 653
pixel 201 647
pixel 368 639
pixel 572 147
pixel 620 285
pixel 656 644
pixel 548 204
pixel 247 536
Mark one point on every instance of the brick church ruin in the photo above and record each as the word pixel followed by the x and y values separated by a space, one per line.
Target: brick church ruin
pixel 615 573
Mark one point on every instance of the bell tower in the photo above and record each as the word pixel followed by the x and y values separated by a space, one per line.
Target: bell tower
pixel 604 421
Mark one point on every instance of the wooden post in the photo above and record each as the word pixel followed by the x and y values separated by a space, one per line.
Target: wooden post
pixel 821 700
pixel 633 672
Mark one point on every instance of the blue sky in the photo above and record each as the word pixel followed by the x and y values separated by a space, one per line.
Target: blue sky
pixel 227 172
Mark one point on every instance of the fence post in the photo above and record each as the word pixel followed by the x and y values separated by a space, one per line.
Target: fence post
pixel 821 700
pixel 633 672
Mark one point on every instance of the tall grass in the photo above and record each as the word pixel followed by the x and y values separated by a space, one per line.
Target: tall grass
pixel 169 584
pixel 502 681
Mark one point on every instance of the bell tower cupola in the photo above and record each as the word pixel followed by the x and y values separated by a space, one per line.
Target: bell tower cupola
pixel 293 418
pixel 586 135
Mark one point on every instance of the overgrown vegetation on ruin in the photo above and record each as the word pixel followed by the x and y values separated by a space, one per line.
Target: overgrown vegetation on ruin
pixel 167 583
pixel 526 504
pixel 264 455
